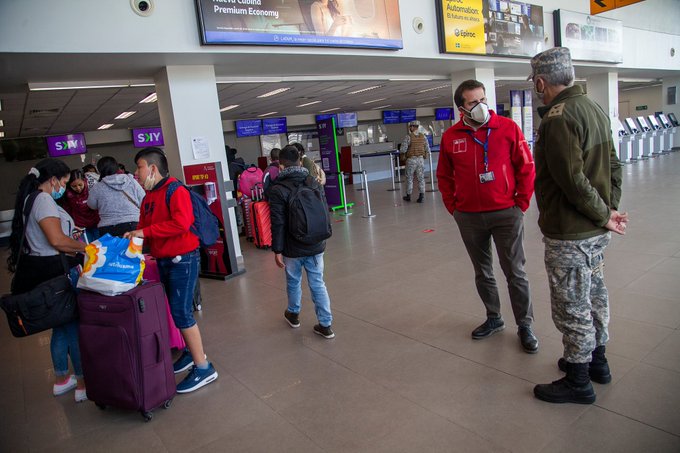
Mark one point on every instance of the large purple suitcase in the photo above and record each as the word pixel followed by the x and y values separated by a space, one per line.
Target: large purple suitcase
pixel 124 349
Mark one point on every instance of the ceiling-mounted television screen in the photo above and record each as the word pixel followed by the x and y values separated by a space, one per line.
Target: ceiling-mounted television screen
pixel 406 116
pixel 66 145
pixel 347 119
pixel 490 27
pixel 248 128
pixel 443 114
pixel 365 23
pixel 391 116
pixel 589 38
pixel 19 149
pixel 271 126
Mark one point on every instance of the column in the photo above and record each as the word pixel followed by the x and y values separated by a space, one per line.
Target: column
pixel 189 107
pixel 484 75
pixel 604 89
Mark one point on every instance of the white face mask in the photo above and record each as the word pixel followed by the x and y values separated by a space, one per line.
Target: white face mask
pixel 539 94
pixel 150 181
pixel 479 113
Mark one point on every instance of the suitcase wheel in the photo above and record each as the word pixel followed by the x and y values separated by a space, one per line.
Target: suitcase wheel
pixel 167 404
pixel 147 416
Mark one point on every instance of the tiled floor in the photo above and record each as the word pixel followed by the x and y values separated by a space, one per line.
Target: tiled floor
pixel 402 375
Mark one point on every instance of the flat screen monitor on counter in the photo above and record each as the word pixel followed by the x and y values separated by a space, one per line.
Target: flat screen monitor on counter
pixel 347 119
pixel 391 117
pixel 148 136
pixel 66 145
pixel 271 126
pixel 248 128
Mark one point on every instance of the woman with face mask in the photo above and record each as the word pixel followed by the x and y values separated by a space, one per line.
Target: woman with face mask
pixel 74 202
pixel 117 197
pixel 49 233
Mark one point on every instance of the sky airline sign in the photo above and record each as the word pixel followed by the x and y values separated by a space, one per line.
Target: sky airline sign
pixel 65 145
pixel 150 136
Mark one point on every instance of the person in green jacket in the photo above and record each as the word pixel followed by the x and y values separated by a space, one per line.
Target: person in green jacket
pixel 578 189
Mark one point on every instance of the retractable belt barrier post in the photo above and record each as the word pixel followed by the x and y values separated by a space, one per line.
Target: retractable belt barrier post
pixel 364 178
pixel 344 194
pixel 360 170
pixel 394 188
pixel 432 189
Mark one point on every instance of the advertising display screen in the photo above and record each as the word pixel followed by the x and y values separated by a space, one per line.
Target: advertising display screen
pixel 407 115
pixel 248 128
pixel 350 23
pixel 19 149
pixel 590 38
pixel 274 126
pixel 490 27
pixel 348 119
pixel 391 117
pixel 149 136
pixel 443 114
pixel 65 145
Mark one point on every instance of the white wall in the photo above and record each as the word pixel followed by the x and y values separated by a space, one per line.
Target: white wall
pixel 651 97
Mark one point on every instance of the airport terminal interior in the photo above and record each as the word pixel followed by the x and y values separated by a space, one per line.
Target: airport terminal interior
pixel 402 374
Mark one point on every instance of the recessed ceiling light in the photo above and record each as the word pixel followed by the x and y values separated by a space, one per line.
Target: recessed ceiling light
pixel 124 115
pixel 2 123
pixel 374 100
pixel 309 103
pixel 0 104
pixel 274 92
pixel 104 126
pixel 229 107
pixel 435 88
pixel 2 134
pixel 381 107
pixel 365 89
pixel 153 97
pixel 330 110
pixel 410 79
pixel 267 114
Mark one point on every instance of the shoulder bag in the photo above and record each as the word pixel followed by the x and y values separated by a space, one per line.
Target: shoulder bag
pixel 50 304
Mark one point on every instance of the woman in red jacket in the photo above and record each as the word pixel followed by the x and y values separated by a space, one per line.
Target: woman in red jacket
pixel 75 203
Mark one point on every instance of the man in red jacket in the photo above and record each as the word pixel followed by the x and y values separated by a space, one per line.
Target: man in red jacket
pixel 486 177
pixel 166 229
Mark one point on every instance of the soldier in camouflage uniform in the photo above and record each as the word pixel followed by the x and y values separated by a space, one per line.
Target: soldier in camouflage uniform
pixel 417 149
pixel 578 188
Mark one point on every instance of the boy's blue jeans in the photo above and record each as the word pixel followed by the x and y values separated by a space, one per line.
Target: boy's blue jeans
pixel 179 280
pixel 314 267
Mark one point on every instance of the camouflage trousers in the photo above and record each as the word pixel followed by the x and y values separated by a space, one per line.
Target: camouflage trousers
pixel 417 165
pixel 578 296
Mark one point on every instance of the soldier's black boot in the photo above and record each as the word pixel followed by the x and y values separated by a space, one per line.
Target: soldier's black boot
pixel 407 197
pixel 599 367
pixel 420 198
pixel 575 387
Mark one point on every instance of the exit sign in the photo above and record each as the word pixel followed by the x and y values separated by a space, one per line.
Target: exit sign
pixel 640 107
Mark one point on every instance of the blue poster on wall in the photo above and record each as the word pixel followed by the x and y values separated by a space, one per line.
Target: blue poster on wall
pixel 330 162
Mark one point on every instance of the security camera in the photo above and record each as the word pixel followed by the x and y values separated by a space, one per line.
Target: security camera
pixel 143 8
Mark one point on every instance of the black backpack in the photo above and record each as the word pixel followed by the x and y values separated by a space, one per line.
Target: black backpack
pixel 308 219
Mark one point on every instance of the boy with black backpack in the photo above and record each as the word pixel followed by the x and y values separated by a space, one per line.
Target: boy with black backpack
pixel 300 226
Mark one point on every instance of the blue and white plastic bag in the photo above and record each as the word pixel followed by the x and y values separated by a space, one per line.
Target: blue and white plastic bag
pixel 113 265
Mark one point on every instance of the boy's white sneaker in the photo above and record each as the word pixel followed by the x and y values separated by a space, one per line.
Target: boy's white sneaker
pixel 60 389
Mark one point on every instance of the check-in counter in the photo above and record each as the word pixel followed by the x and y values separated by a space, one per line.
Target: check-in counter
pixel 669 132
pixel 647 138
pixel 658 135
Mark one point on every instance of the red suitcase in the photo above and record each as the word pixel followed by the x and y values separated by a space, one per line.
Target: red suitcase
pixel 124 349
pixel 260 219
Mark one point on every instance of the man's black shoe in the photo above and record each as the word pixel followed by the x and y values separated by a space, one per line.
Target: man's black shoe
pixel 293 319
pixel 528 339
pixel 407 197
pixel 490 327
pixel 420 198
pixel 561 391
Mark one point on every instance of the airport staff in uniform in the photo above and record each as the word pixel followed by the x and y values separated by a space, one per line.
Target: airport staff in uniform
pixel 417 149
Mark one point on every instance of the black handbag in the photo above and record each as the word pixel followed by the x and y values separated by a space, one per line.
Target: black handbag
pixel 50 304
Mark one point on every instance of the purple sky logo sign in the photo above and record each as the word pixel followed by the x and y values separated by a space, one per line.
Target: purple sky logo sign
pixel 151 136
pixel 66 145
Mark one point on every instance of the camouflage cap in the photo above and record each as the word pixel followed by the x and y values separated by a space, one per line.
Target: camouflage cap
pixel 549 61
pixel 414 123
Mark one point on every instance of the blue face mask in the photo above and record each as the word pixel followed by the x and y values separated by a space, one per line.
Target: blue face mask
pixel 57 195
